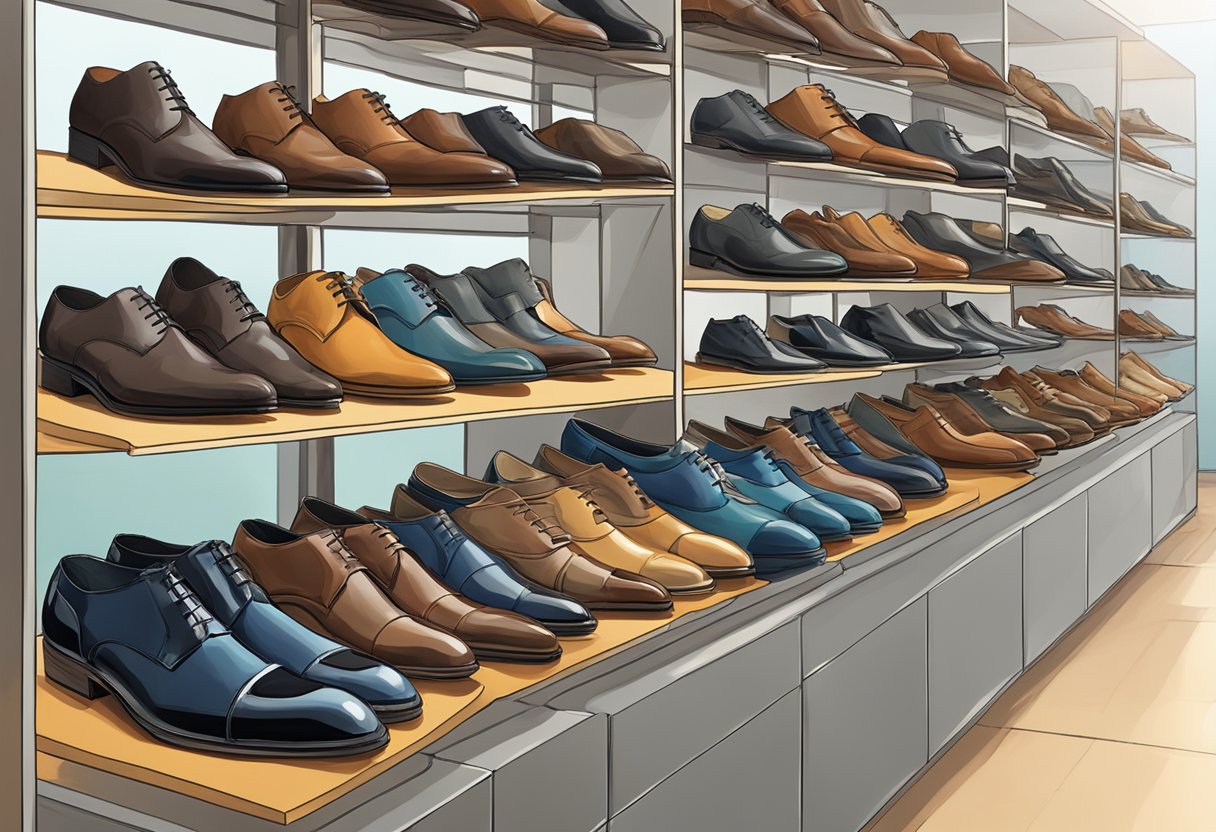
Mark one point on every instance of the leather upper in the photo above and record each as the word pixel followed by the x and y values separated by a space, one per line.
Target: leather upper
pixel 739 342
pixel 970 345
pixel 750 16
pixel 834 39
pixel 625 28
pixel 1059 115
pixel 819 338
pixel 442 131
pixel 614 153
pixel 504 137
pixel 538 20
pixel 1004 336
pixel 872 22
pixel 1028 241
pixel 750 240
pixel 739 121
pixel 624 350
pixel 816 230
pixel 937 138
pixel 885 326
pixel 963 66
pixel 930 263
pixel 941 232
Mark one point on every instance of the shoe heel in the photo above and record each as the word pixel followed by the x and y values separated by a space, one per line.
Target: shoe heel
pixel 701 259
pixel 68 673
pixel 701 140
pixel 87 150
pixel 58 380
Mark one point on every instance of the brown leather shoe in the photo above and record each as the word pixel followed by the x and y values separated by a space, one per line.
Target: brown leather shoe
pixel 812 110
pixel 1069 381
pixel 139 122
pixel 360 124
pixel 1147 405
pixel 1036 404
pixel 625 350
pixel 268 123
pixel 1134 365
pixel 834 39
pixel 872 22
pixel 959 413
pixel 632 512
pixel 490 633
pixel 1132 326
pixel 1128 147
pixel 531 18
pixel 617 156
pixel 930 263
pixel 501 521
pixel 754 18
pixel 1052 318
pixel 963 67
pixel 320 583
pixel 1135 122
pixel 1031 387
pixel 592 531
pixel 1133 217
pixel 1059 115
pixel 815 231
pixel 863 439
pixel 442 131
pixel 135 359
pixel 799 452
pixel 1098 417
pixel 327 321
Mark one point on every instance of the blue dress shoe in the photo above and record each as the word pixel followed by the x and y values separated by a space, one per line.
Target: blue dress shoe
pixel 909 480
pixel 144 637
pixel 214 574
pixel 755 474
pixel 410 317
pixel 479 575
pixel 692 486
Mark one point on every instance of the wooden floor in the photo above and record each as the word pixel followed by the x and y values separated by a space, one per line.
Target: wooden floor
pixel 1113 729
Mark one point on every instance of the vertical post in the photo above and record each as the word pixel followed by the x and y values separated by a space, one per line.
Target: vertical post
pixel 677 210
pixel 1117 184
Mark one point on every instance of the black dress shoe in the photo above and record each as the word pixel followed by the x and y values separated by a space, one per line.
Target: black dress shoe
pixel 1043 246
pixel 624 27
pixel 947 324
pixel 882 128
pixel 1004 336
pixel 819 338
pixel 748 241
pixel 938 231
pixel 885 326
pixel 942 141
pixel 737 121
pixel 737 342
pixel 1049 180
pixel 507 139
pixel 971 346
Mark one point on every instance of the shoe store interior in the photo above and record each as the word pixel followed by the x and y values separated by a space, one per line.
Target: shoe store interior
pixel 607 416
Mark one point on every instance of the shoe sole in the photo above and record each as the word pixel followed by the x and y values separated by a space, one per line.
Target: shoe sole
pixel 481 382
pixel 544 34
pixel 72 673
pixel 311 404
pixel 715 143
pixel 629 606
pixel 768 564
pixel 705 260
pixel 501 654
pixel 701 358
pixel 693 591
pixel 727 573
pixel 392 714
pixel 1010 467
pixel 374 392
pixel 561 628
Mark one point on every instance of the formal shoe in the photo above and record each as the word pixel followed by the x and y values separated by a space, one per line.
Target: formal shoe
pixel 1132 326
pixel 962 66
pixel 444 12
pixel 618 157
pixel 815 230
pixel 969 345
pixel 1049 180
pixel 940 140
pixel 1028 385
pixel 326 320
pixel 212 572
pixel 469 569
pixel 1003 335
pixel 1051 318
pixel 589 528
pixel 987 262
pixel 1130 360
pixel 834 39
pixel 1094 377
pixel 1136 215
pixel 624 27
pixel 856 497
pixel 1155 215
pixel 1135 122
pixel 628 508
pixel 1129 148
pixel 813 111
pixel 1036 403
pixel 444 132
pixel 408 314
pixel 873 22
pixel 930 263
pixel 1142 377
pixel 737 121
pixel 967 420
pixel 693 488
pixel 756 476
pixel 139 122
pixel 623 350
pixel 740 344
pixel 1044 247
pixel 882 440
pixel 750 18
pixel 504 137
pixel 1070 382
pixel 145 638
pixel 361 124
pixel 749 242
pixel 885 326
pixel 218 316
pixel 532 543
pixel 532 18
pixel 906 473
pixel 1161 326
pixel 1059 115
pixel 267 123
pixel 492 634
pixel 133 358
pixel 817 337
pixel 1097 416
pixel 1134 279
pixel 1002 417
pixel 465 299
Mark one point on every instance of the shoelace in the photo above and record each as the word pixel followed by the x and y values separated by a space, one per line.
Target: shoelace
pixel 340 287
pixel 761 214
pixel 335 545
pixel 380 106
pixel 427 298
pixel 242 302
pixel 954 133
pixel 711 467
pixel 293 107
pixel 554 532
pixel 174 93
pixel 189 606
pixel 146 303
pixel 834 109
pixel 392 543
pixel 584 493
pixel 227 561
pixel 637 490
pixel 449 527
pixel 507 116
pixel 758 109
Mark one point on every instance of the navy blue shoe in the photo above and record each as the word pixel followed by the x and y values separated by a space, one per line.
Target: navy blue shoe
pixel 470 570
pixel 145 638
pixel 693 487
pixel 214 574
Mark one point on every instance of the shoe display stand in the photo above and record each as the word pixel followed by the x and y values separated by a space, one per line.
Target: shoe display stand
pixel 818 695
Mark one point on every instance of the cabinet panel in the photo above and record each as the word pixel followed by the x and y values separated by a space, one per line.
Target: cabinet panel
pixel 1053 575
pixel 1120 523
pixel 1170 481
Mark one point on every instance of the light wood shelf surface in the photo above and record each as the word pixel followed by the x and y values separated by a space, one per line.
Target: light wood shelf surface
pixel 700 379
pixel 697 278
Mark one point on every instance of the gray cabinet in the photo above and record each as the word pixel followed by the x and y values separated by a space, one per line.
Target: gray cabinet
pixel 1054 565
pixel 1120 523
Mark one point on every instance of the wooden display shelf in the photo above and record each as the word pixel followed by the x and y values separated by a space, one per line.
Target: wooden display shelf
pixel 84 422
pixel 70 190
pixel 697 278
pixel 700 379
pixel 1032 206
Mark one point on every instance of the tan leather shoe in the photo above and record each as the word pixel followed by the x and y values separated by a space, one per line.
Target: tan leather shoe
pixel 501 521
pixel 754 18
pixel 1029 385
pixel 1133 357
pixel 1037 405
pixel 1147 405
pixel 325 319
pixel 1135 368
pixel 589 527
pixel 815 231
pixel 963 67
pixel 1161 326
pixel 618 157
pixel 442 131
pixel 319 582
pixel 625 350
pixel 491 634
pixel 930 263
pixel 531 18
pixel 1135 122
pixel 632 512
pixel 1067 381
pixel 812 110
pixel 1133 217
pixel 1059 115
pixel 361 124
pixel 834 39
pixel 1052 318
pixel 1098 417
pixel 966 419
pixel 1128 147
pixel 872 22
pixel 1132 326
pixel 1138 386
pixel 268 123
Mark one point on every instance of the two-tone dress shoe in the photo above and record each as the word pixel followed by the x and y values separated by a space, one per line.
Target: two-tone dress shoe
pixel 739 343
pixel 817 337
pixel 506 138
pixel 748 241
pixel 737 121
pixel 618 157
